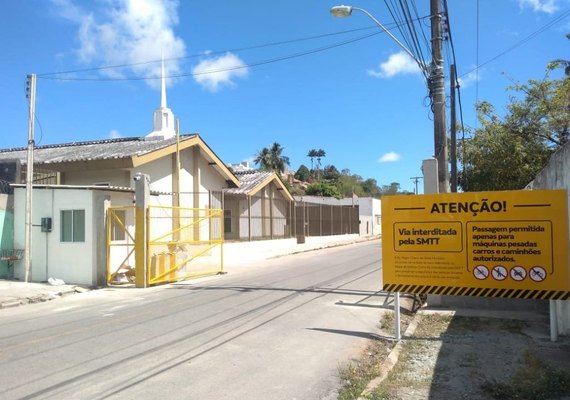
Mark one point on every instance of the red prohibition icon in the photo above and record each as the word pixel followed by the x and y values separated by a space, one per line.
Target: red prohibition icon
pixel 518 273
pixel 537 274
pixel 499 273
pixel 481 272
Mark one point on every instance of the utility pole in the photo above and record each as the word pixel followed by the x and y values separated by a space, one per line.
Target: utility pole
pixel 416 179
pixel 31 94
pixel 437 89
pixel 453 131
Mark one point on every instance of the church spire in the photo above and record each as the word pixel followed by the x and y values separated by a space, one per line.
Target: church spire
pixel 163 116
pixel 163 87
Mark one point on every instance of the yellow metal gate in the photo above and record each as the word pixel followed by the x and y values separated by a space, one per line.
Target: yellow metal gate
pixel 121 245
pixel 183 243
pixel 180 243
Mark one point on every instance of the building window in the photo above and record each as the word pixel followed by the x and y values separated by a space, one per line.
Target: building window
pixel 227 221
pixel 73 225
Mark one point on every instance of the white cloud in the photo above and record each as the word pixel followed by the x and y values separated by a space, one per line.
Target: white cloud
pixel 390 157
pixel 547 6
pixel 115 134
pixel 127 32
pixel 397 64
pixel 217 72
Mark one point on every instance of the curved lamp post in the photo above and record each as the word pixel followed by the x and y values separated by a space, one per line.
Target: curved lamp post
pixel 434 75
pixel 346 11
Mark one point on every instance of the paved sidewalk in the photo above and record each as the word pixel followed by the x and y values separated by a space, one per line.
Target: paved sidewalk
pixel 14 293
pixel 237 254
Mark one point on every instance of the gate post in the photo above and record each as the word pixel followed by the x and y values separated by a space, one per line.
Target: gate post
pixel 142 199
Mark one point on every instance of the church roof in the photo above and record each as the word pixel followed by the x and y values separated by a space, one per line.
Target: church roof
pixel 252 182
pixel 106 149
pixel 114 154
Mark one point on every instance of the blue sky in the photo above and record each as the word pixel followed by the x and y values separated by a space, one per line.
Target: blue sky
pixel 362 102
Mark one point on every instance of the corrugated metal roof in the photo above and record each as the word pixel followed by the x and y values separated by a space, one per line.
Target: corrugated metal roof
pixel 91 150
pixel 249 180
pixel 88 187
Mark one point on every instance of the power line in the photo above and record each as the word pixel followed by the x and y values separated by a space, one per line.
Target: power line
pixel 237 67
pixel 53 75
pixel 456 83
pixel 270 44
pixel 521 42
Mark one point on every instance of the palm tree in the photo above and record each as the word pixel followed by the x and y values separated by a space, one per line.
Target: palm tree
pixel 312 154
pixel 320 154
pixel 272 159
pixel 263 159
pixel 279 162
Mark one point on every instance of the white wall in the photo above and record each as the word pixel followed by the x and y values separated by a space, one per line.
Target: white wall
pixel 114 177
pixel 556 175
pixel 160 172
pixel 72 262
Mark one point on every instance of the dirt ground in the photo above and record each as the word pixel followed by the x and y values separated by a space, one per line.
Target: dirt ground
pixel 464 356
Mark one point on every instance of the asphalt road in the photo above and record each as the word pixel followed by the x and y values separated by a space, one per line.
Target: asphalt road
pixel 275 330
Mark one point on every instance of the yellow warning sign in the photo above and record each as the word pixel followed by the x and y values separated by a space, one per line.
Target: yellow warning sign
pixel 497 240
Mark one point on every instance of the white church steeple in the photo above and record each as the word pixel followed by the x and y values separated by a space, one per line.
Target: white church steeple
pixel 163 116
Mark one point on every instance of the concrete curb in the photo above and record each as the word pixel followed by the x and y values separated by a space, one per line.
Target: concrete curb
pixel 36 297
pixel 327 246
pixel 390 361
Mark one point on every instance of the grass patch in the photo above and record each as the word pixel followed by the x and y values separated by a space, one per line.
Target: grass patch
pixel 356 375
pixel 432 325
pixel 534 380
pixel 387 321
pixel 479 324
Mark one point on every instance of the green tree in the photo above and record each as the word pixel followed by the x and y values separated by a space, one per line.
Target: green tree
pixel 370 188
pixel 302 173
pixel 331 174
pixel 272 158
pixel 392 188
pixel 324 189
pixel 507 152
pixel 349 184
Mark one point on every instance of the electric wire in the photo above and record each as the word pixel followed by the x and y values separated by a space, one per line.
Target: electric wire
pixel 238 49
pixel 389 26
pixel 413 32
pixel 457 86
pixel 402 16
pixel 477 53
pixel 545 27
pixel 213 71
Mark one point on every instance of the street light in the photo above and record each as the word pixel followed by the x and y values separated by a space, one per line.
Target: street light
pixel 346 11
pixel 435 80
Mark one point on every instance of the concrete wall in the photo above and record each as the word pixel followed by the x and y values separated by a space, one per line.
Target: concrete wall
pixel 113 177
pixel 556 175
pixel 82 263
pixel 70 261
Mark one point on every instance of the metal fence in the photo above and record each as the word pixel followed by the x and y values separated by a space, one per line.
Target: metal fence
pixel 326 220
pixel 257 218
pixel 5 187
